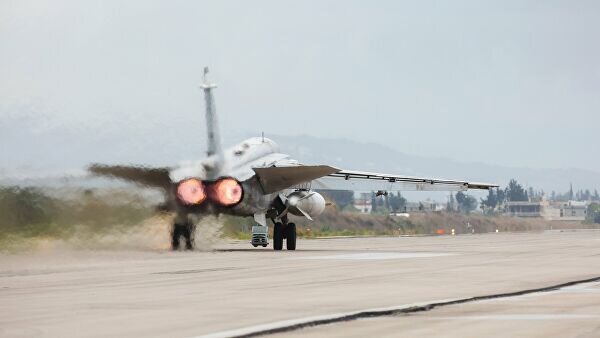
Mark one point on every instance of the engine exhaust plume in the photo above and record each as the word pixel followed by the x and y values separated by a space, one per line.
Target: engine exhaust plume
pixel 227 192
pixel 191 191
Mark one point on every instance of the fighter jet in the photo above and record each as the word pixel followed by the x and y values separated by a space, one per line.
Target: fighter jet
pixel 252 179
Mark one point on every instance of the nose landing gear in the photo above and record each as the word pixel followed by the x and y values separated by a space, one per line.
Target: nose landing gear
pixel 260 236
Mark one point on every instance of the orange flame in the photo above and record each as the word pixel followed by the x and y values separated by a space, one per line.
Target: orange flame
pixel 227 192
pixel 191 191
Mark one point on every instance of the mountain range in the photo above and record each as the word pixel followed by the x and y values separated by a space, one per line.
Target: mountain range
pixel 51 154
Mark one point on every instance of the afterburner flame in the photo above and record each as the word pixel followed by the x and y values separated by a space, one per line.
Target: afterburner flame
pixel 191 191
pixel 227 192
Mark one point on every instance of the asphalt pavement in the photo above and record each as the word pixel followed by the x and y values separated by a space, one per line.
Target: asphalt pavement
pixel 234 289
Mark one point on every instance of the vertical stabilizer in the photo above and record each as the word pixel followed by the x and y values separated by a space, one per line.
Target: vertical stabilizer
pixel 212 128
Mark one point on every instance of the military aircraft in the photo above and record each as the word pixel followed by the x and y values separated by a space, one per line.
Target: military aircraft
pixel 252 179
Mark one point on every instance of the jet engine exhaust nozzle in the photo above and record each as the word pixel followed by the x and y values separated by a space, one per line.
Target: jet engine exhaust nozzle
pixel 191 191
pixel 227 192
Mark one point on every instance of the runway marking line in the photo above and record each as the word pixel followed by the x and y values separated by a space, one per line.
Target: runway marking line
pixel 300 323
pixel 378 256
pixel 511 317
pixel 183 272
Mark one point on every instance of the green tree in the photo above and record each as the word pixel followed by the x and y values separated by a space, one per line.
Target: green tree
pixel 387 200
pixel 450 207
pixel 492 199
pixel 515 192
pixel 593 213
pixel 531 193
pixel 397 202
pixel 341 198
pixel 571 195
pixel 466 203
pixel 373 203
pixel 378 204
pixel 500 196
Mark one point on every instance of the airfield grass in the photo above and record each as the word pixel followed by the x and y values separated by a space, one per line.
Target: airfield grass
pixel 343 223
pixel 30 217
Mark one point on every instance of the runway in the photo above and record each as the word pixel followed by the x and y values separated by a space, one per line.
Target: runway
pixel 568 312
pixel 236 289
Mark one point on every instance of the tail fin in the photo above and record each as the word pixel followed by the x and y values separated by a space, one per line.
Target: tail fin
pixel 214 140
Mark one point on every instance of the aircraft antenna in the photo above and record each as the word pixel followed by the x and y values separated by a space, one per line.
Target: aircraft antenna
pixel 205 77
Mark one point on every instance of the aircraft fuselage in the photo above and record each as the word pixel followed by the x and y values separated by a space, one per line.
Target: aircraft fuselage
pixel 238 162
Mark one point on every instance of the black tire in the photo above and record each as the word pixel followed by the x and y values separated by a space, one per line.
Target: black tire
pixel 255 245
pixel 176 232
pixel 188 232
pixel 278 236
pixel 290 234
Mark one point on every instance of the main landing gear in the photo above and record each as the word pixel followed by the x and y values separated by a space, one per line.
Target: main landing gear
pixel 285 231
pixel 185 230
pixel 282 229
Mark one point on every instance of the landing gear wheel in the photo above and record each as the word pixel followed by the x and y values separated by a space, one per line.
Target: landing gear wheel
pixel 188 234
pixel 187 231
pixel 290 235
pixel 278 236
pixel 176 232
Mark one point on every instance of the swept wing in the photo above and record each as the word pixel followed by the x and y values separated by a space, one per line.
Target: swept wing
pixel 402 182
pixel 145 176
pixel 273 179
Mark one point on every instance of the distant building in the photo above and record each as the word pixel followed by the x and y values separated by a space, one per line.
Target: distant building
pixel 524 209
pixel 363 205
pixel 552 211
pixel 573 211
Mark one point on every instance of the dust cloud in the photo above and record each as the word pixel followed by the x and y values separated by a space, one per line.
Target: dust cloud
pixel 153 234
pixel 42 218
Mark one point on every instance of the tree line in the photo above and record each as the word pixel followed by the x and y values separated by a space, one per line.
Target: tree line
pixel 387 203
pixel 515 192
pixel 390 202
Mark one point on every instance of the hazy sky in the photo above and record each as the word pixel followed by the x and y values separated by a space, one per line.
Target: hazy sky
pixel 506 82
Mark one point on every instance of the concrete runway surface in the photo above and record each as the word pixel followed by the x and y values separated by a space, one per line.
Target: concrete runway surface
pixel 236 289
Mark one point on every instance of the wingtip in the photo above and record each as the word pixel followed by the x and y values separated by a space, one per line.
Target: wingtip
pixel 93 167
pixel 481 186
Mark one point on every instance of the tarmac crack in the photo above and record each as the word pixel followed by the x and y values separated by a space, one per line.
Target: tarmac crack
pixel 294 325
